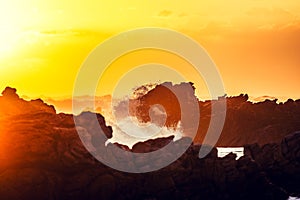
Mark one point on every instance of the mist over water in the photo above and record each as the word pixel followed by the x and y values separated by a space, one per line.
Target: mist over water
pixel 128 129
pixel 120 136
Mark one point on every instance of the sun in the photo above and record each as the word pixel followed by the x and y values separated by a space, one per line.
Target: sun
pixel 8 39
pixel 10 29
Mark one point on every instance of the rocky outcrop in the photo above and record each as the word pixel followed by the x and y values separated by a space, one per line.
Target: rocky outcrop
pixel 245 123
pixel 42 157
pixel 171 97
pixel 280 161
pixel 290 147
pixel 151 145
pixel 11 104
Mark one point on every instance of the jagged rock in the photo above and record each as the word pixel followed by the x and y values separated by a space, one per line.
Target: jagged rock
pixel 151 145
pixel 42 157
pixel 12 105
pixel 103 187
pixel 290 146
pixel 280 161
pixel 11 93
pixel 273 121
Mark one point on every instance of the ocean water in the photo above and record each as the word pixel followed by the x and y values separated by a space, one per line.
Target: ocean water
pixel 223 151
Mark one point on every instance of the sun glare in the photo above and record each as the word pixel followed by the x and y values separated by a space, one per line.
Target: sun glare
pixel 8 39
pixel 10 26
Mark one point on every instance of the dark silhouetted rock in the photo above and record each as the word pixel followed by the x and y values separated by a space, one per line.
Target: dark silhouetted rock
pixel 11 104
pixel 42 157
pixel 151 145
pixel 245 123
pixel 280 162
pixel 290 146
pixel 10 93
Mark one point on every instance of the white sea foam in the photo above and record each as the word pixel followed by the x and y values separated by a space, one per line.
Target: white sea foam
pixel 223 151
pixel 140 132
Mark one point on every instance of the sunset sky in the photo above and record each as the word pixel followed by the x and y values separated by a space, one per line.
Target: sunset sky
pixel 254 43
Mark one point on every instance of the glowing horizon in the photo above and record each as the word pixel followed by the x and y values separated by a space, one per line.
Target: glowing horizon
pixel 255 44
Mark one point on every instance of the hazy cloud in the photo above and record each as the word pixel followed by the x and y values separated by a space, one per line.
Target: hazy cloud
pixel 165 13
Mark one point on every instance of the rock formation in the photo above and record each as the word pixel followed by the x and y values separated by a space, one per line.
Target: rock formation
pixel 245 122
pixel 42 157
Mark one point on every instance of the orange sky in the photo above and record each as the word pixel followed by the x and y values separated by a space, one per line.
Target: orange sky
pixel 254 43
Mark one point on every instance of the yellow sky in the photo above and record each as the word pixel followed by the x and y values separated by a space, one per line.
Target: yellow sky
pixel 254 43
